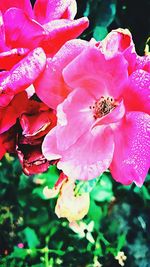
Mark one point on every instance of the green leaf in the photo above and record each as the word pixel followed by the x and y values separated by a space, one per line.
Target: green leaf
pixel 39 192
pixel 85 186
pixel 19 253
pixel 31 237
pixel 105 13
pixel 50 177
pixel 121 242
pixel 100 32
pixel 103 190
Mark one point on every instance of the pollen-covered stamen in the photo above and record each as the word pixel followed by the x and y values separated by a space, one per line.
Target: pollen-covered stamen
pixel 103 106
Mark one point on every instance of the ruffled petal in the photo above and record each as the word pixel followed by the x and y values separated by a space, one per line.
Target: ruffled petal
pixel 131 159
pixel 46 11
pixel 90 156
pixel 137 94
pixel 32 159
pixel 50 86
pixel 23 32
pixel 90 70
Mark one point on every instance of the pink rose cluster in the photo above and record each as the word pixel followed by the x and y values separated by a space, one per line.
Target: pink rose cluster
pixel 82 105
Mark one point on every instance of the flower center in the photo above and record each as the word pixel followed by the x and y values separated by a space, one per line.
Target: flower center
pixel 103 106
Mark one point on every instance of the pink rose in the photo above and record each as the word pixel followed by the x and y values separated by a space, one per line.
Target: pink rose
pixel 104 121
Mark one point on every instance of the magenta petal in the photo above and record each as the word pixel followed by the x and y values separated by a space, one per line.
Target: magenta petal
pixel 60 31
pixel 101 76
pixel 131 159
pixel 23 32
pixel 137 94
pixel 25 5
pixel 50 86
pixel 143 63
pixel 24 73
pixel 9 58
pixel 53 9
pixel 90 156
pixel 3 46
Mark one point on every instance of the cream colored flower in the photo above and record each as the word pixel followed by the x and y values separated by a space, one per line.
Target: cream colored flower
pixel 70 206
pixel 121 257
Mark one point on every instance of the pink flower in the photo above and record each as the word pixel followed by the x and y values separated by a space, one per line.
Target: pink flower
pixel 48 25
pixel 99 125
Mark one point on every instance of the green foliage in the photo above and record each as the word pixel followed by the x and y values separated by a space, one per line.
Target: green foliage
pixel 118 219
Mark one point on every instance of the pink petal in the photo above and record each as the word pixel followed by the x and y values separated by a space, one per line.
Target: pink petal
pixel 137 94
pixel 91 70
pixel 74 118
pixel 120 41
pixel 24 73
pixel 70 11
pixel 9 58
pixel 50 86
pixel 49 146
pixel 60 31
pixel 25 5
pixel 23 32
pixel 54 9
pixel 90 156
pixel 131 159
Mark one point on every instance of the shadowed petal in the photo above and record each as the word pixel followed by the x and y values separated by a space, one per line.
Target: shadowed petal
pixel 137 94
pixel 9 114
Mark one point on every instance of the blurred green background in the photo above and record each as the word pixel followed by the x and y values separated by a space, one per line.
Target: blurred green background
pixel 119 216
